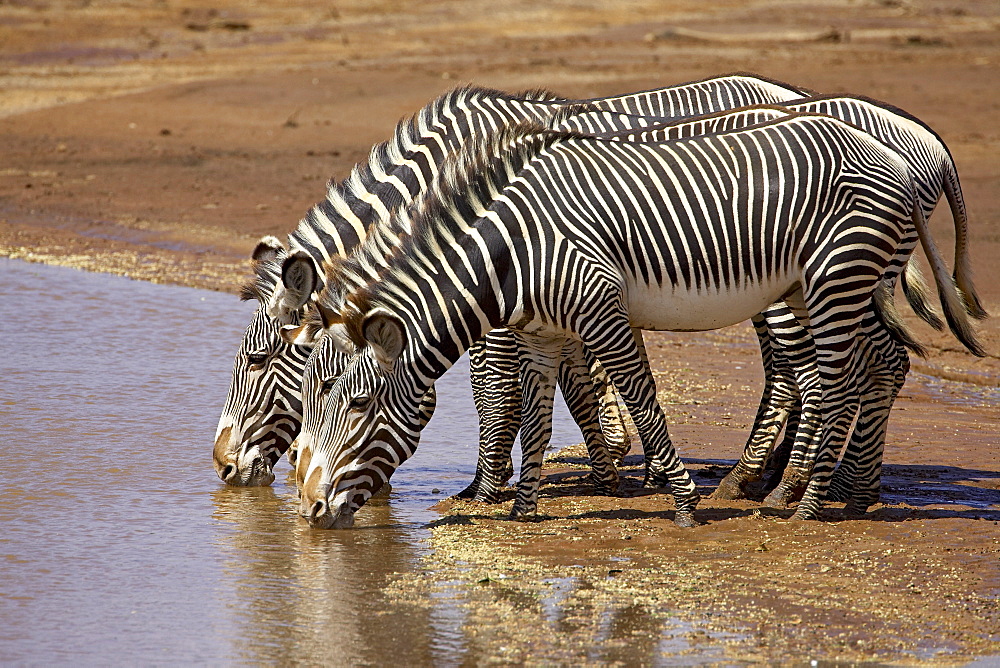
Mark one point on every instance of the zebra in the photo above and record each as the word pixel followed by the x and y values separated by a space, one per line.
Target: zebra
pixel 930 161
pixel 264 390
pixel 560 234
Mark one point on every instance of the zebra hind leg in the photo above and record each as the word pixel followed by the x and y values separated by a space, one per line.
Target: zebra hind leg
pixel 613 425
pixel 539 359
pixel 885 364
pixel 800 356
pixel 779 394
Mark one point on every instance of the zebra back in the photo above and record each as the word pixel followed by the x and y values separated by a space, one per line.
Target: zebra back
pixel 702 97
pixel 929 159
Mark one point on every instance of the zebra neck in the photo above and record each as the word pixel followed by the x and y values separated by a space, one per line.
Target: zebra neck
pixel 451 301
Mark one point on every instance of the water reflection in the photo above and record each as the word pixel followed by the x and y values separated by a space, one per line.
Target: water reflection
pixel 304 594
pixel 118 543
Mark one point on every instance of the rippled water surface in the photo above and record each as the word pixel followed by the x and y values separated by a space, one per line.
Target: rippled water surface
pixel 118 542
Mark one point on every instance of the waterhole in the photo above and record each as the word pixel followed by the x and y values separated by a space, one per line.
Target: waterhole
pixel 118 540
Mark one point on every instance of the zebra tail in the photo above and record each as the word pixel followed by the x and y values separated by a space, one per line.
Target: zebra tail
pixel 918 295
pixel 963 262
pixel 885 309
pixel 951 302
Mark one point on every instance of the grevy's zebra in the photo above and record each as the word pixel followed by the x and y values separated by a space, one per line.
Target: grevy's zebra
pixel 857 480
pixel 559 234
pixel 931 163
pixel 263 410
pixel 933 168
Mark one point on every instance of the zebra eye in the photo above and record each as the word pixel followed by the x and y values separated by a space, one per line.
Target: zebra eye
pixel 359 403
pixel 257 359
pixel 327 385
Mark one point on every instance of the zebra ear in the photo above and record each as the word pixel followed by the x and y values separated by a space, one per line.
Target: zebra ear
pixel 306 335
pixel 267 249
pixel 299 280
pixel 386 336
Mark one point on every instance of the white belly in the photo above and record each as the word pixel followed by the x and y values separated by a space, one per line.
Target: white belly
pixel 666 308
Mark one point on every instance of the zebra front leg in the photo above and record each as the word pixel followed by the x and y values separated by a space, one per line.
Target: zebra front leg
pixel 539 358
pixel 613 343
pixel 496 390
pixel 779 396
pixel 575 381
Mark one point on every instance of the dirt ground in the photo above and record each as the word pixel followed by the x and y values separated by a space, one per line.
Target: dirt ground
pixel 159 140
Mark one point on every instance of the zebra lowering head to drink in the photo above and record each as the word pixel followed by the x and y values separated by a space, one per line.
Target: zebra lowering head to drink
pixel 565 235
pixel 262 413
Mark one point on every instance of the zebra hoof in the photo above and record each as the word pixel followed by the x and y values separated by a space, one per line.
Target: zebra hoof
pixel 785 493
pixel 685 519
pixel 604 487
pixel 491 498
pixel 469 492
pixel 729 489
pixel 523 514
pixel 856 508
pixel 805 515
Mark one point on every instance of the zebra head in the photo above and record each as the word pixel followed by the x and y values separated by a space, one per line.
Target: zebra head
pixel 361 419
pixel 263 410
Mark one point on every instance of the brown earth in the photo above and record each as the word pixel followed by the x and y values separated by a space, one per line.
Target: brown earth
pixel 160 140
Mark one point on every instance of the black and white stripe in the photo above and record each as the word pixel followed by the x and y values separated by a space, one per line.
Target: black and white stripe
pixel 564 235
pixel 397 171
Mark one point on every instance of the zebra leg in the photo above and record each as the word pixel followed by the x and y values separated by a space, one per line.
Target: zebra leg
pixel 496 391
pixel 578 390
pixel 778 461
pixel 799 355
pixel 857 479
pixel 616 433
pixel 780 394
pixel 834 328
pixel 612 341
pixel 539 359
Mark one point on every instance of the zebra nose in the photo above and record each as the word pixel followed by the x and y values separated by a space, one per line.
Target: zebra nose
pixel 317 510
pixel 228 474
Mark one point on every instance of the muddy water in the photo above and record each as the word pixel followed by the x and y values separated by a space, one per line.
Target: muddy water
pixel 116 538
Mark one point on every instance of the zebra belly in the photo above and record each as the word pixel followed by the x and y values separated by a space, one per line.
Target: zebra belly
pixel 674 308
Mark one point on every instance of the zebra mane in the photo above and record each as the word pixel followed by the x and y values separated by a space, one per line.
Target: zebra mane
pixel 407 131
pixel 468 182
pixel 809 92
pixel 390 153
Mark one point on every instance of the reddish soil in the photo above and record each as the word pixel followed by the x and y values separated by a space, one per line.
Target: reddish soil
pixel 160 142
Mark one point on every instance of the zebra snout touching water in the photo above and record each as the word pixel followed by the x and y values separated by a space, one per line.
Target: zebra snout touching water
pixel 564 235
pixel 263 408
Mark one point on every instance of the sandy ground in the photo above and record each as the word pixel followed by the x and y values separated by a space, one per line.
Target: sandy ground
pixel 159 140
